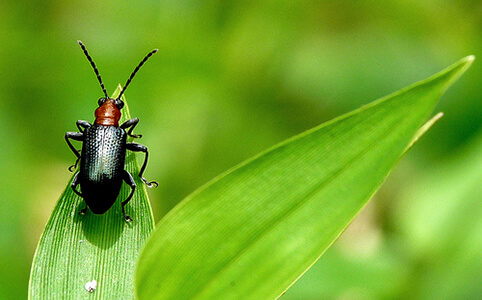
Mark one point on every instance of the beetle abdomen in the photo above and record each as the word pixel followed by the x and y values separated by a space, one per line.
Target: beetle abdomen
pixel 100 197
pixel 102 166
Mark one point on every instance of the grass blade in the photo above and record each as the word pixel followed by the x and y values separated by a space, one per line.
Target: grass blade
pixel 75 249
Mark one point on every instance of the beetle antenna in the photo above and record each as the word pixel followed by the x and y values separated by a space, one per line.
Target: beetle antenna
pixel 93 66
pixel 135 71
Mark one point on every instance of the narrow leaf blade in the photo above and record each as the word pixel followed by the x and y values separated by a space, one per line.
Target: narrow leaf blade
pixel 75 249
pixel 251 232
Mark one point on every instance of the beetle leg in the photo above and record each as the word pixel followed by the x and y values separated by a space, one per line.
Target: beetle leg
pixel 74 166
pixel 130 181
pixel 82 125
pixel 75 182
pixel 76 136
pixel 141 148
pixel 131 123
pixel 73 185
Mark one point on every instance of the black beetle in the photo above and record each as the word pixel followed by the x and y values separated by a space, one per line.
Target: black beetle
pixel 103 151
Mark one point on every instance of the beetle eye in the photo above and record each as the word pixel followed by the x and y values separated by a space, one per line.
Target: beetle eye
pixel 101 101
pixel 119 103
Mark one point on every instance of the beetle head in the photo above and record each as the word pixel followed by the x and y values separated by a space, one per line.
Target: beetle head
pixel 118 102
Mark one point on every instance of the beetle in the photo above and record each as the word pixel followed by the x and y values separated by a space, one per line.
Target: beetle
pixel 104 145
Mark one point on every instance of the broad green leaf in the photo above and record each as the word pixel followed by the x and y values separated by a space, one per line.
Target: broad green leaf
pixel 251 232
pixel 75 249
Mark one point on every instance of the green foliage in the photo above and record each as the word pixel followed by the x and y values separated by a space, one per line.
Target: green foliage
pixel 251 232
pixel 232 78
pixel 75 249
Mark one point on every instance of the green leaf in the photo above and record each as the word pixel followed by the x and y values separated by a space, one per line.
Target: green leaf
pixel 76 249
pixel 251 232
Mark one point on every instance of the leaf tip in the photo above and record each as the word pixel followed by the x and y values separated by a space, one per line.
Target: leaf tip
pixel 449 75
pixel 470 58
pixel 424 129
pixel 465 63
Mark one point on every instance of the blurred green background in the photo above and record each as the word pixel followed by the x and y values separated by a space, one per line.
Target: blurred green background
pixel 231 79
